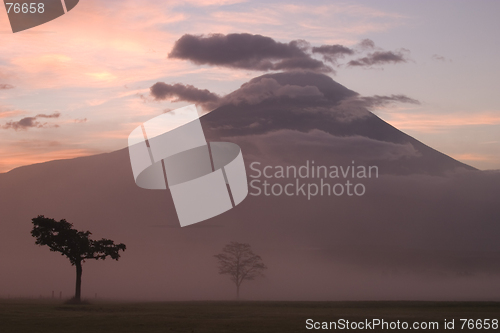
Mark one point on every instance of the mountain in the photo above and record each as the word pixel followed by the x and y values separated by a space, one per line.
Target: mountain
pixel 311 106
pixel 426 228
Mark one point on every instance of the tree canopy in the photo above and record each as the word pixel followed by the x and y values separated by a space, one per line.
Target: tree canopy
pixel 76 245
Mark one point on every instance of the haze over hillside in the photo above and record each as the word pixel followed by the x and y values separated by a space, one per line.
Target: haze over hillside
pixel 426 228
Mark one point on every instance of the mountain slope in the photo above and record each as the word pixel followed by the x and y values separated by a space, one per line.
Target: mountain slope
pixel 427 228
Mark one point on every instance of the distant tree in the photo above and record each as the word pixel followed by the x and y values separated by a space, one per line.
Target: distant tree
pixel 74 244
pixel 239 262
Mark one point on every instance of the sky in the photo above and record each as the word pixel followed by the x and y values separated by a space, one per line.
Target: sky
pixel 80 84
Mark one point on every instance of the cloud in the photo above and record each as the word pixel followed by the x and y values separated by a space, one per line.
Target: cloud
pixel 54 115
pixel 381 58
pixel 24 123
pixel 254 92
pixel 4 86
pixel 379 101
pixel 31 122
pixel 307 144
pixel 356 107
pixel 332 53
pixel 184 92
pixel 246 51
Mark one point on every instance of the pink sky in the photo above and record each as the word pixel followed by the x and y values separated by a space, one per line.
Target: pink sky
pixel 95 66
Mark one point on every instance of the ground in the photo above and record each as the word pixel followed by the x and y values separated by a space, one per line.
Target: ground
pixel 40 316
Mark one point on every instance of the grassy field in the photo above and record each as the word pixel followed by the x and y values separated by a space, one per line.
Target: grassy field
pixel 49 316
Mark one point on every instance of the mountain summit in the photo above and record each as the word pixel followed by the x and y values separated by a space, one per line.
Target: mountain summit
pixel 321 119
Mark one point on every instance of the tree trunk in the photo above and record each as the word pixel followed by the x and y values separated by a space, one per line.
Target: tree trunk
pixel 237 291
pixel 78 281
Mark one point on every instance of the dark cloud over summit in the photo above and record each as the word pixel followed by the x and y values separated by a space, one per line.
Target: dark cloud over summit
pixel 246 51
pixel 316 91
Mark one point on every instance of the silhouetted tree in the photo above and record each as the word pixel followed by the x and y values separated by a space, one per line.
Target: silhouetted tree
pixel 239 262
pixel 74 244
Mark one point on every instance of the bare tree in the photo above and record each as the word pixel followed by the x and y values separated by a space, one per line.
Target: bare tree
pixel 239 262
